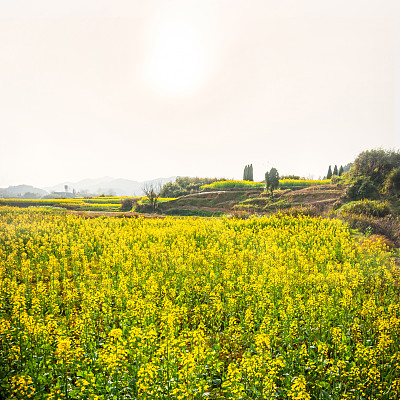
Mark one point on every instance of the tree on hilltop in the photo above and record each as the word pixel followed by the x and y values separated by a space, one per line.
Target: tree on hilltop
pixel 272 180
pixel 377 164
pixel 374 172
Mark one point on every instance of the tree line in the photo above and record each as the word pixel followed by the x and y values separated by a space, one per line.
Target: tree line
pixel 336 172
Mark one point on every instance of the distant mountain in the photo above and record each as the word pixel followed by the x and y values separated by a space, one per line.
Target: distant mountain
pixel 108 186
pixel 22 191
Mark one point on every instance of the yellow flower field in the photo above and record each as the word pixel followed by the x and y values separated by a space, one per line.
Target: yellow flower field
pixel 274 307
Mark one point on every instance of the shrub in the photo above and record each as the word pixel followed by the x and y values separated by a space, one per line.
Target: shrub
pixel 143 208
pixel 376 164
pixel 362 188
pixel 336 179
pixel 127 204
pixel 392 182
pixel 367 207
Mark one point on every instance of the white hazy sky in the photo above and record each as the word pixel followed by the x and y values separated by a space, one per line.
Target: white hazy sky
pixel 148 89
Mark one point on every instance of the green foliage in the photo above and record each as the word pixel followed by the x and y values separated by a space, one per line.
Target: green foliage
pixel 337 180
pixel 374 208
pixel 341 170
pixel 392 182
pixel 335 171
pixel 272 180
pixel 290 177
pixel 362 188
pixel 376 164
pixel 127 204
pixel 186 185
pixel 248 173
pixel 143 207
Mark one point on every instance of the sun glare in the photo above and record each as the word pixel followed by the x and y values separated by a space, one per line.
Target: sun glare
pixel 178 62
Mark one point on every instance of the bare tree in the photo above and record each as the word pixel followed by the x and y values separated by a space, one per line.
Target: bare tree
pixel 152 191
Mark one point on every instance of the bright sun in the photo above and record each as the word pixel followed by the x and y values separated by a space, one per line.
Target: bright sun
pixel 178 62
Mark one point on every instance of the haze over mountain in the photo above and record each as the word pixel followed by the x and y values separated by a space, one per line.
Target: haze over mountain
pixel 20 190
pixel 93 186
pixel 108 185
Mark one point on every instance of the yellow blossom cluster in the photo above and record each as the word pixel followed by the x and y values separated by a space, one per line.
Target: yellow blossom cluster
pixel 278 307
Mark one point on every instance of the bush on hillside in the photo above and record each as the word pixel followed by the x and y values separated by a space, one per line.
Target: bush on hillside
pixel 336 179
pixel 362 188
pixel 392 183
pixel 367 207
pixel 376 164
pixel 143 207
pixel 127 204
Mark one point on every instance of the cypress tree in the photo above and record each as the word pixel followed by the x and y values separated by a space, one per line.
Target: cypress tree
pixel 341 170
pixel 335 171
pixel 329 174
pixel 248 172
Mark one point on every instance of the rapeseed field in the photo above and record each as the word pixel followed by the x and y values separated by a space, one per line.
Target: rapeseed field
pixel 274 307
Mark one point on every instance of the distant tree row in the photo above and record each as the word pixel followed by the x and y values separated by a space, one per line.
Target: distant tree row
pixel 336 172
